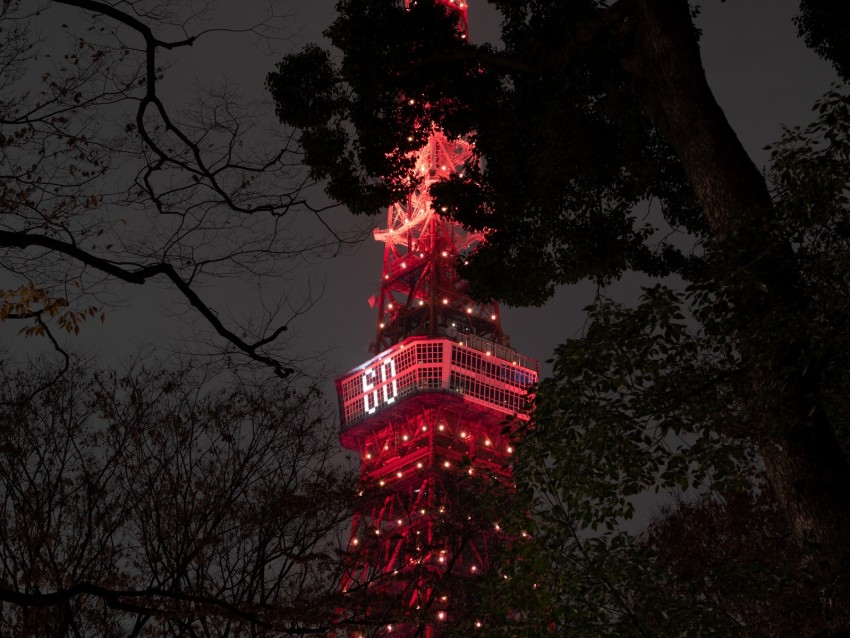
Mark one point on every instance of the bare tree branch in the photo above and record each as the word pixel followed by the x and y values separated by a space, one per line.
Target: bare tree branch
pixel 117 186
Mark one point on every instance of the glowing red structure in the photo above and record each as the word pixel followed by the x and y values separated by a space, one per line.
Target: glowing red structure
pixel 430 415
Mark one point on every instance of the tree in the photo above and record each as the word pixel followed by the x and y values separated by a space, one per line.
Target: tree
pixel 735 555
pixel 166 501
pixel 110 180
pixel 169 498
pixel 589 110
pixel 653 398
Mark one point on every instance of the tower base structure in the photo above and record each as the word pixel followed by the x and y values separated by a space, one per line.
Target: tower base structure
pixel 433 421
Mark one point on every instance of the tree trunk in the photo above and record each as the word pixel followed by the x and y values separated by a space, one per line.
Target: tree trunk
pixel 809 474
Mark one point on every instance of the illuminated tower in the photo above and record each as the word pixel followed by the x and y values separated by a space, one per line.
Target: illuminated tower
pixel 431 415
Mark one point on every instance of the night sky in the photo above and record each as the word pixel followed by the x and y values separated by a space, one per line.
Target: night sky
pixel 761 74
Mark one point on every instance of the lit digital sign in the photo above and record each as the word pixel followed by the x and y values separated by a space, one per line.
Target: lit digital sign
pixel 384 374
pixel 473 370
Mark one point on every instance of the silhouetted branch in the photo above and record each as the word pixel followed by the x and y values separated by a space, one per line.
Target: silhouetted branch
pixel 139 276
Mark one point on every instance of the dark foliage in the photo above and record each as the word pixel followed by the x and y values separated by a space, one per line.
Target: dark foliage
pixel 162 501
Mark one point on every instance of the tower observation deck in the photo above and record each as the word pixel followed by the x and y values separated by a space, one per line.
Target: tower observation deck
pixel 432 415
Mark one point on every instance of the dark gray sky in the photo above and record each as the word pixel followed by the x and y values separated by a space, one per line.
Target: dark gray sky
pixel 761 74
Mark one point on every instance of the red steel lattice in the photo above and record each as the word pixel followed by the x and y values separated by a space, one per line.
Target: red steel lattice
pixel 428 416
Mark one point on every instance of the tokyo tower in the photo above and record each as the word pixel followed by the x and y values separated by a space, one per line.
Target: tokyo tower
pixel 431 415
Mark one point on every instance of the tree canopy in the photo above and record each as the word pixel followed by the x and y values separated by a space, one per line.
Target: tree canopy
pixel 165 496
pixel 601 149
pixel 166 500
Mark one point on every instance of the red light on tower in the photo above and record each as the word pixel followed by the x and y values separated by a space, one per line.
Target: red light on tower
pixel 427 414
